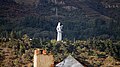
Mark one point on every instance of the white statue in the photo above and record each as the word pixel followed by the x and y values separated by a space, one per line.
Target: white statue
pixel 59 32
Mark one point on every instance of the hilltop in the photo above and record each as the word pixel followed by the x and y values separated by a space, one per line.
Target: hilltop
pixel 18 52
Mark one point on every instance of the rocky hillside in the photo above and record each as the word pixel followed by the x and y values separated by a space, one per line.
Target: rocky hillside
pixel 91 53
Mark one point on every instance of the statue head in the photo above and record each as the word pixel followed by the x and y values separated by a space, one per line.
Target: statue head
pixel 59 24
pixel 59 27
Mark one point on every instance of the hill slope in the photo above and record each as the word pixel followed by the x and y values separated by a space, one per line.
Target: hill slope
pixel 81 18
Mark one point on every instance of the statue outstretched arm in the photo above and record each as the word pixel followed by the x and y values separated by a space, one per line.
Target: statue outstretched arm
pixel 61 26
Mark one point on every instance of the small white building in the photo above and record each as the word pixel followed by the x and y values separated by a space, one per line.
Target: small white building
pixel 69 62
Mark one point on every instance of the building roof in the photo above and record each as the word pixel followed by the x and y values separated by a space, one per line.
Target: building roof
pixel 69 62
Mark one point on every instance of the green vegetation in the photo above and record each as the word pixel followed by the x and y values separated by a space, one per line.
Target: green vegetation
pixel 92 52
pixel 94 29
pixel 88 20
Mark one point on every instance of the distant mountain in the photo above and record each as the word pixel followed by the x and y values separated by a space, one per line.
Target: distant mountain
pixel 81 18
